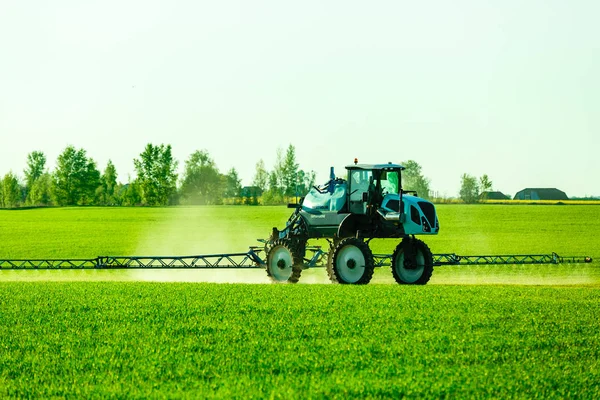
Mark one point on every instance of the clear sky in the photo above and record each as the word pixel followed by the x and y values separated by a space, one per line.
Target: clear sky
pixel 508 88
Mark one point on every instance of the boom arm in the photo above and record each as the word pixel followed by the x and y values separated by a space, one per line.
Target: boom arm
pixel 252 259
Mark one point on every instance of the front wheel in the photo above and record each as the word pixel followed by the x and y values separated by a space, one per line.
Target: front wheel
pixel 351 262
pixel 283 263
pixel 412 262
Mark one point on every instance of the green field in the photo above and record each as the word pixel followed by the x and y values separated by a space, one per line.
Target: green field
pixel 478 229
pixel 513 331
pixel 88 232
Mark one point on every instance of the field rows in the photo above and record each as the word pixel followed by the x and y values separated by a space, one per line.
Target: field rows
pixel 488 331
pixel 286 341
pixel 479 229
pixel 89 232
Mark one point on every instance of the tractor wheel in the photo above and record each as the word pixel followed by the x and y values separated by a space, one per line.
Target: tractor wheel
pixel 329 265
pixel 284 264
pixel 350 261
pixel 408 272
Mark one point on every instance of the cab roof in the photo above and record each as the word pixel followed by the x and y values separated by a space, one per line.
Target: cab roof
pixel 371 167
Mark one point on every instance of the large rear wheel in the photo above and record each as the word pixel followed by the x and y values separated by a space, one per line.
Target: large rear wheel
pixel 350 262
pixel 412 262
pixel 284 264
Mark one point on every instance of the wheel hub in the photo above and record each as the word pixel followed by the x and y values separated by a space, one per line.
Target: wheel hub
pixel 409 264
pixel 409 268
pixel 281 264
pixel 350 263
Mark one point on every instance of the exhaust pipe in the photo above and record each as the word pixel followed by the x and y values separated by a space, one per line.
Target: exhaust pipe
pixel 389 216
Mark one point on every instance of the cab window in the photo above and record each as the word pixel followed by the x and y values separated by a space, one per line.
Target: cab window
pixel 389 182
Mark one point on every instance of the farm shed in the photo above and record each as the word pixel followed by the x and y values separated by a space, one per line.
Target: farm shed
pixel 494 196
pixel 541 194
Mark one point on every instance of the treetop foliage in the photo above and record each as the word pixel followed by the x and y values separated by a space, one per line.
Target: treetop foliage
pixel 201 179
pixel 469 189
pixel 76 180
pixel 413 179
pixel 9 191
pixel 156 174
pixel 36 166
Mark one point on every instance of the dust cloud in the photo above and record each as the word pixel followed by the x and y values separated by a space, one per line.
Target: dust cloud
pixel 184 231
pixel 546 275
pixel 192 231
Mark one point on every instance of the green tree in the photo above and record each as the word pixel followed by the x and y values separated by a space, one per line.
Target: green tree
pixel 36 166
pixel 201 182
pixel 289 172
pixel 233 186
pixel 107 191
pixel 91 184
pixel 129 194
pixel 261 176
pixel 306 180
pixel 273 194
pixel 469 189
pixel 156 177
pixel 40 192
pixel 413 179
pixel 76 178
pixel 10 191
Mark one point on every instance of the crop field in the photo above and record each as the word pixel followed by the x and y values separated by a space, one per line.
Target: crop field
pixel 101 339
pixel 480 331
pixel 477 229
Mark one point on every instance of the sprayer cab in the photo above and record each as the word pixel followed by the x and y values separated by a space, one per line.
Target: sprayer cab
pixel 376 190
pixel 369 203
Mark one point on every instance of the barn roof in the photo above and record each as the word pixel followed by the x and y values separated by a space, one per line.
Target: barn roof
pixel 546 193
pixel 494 195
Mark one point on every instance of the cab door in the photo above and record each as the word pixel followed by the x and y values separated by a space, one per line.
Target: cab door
pixel 359 181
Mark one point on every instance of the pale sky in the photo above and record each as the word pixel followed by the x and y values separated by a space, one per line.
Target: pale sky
pixel 505 88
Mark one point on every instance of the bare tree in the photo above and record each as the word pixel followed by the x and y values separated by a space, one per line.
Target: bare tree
pixel 261 176
pixel 485 185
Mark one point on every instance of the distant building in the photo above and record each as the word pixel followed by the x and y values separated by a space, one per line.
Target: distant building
pixel 541 194
pixel 493 196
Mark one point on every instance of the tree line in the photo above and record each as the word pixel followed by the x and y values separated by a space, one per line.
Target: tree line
pixel 76 180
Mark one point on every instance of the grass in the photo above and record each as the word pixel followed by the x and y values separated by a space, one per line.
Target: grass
pixel 89 232
pixel 512 332
pixel 287 341
pixel 465 229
